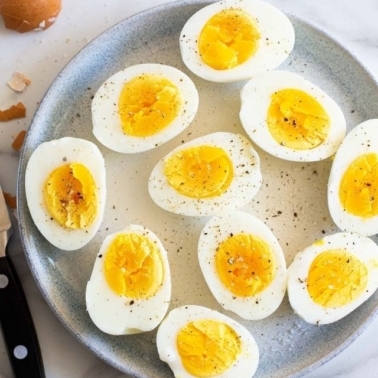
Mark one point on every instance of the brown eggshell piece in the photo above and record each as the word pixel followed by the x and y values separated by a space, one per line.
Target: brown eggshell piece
pixel 14 112
pixel 19 140
pixel 18 82
pixel 10 200
pixel 27 15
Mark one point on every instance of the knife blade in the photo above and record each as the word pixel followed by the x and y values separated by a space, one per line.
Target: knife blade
pixel 15 318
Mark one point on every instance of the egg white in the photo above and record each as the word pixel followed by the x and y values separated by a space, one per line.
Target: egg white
pixel 276 42
pixel 216 230
pixel 107 126
pixel 244 186
pixel 47 157
pixel 116 314
pixel 360 140
pixel 362 247
pixel 244 367
pixel 255 101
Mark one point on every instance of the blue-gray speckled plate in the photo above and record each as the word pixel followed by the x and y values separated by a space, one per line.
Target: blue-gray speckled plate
pixel 288 346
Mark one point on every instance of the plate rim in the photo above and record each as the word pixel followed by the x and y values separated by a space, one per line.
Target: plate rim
pixel 24 158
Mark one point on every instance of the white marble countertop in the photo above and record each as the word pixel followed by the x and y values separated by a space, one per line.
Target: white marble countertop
pixel 41 55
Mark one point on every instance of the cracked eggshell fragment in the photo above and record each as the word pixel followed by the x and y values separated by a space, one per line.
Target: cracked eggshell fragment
pixel 28 15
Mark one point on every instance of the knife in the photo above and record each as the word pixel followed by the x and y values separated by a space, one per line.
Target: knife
pixel 15 318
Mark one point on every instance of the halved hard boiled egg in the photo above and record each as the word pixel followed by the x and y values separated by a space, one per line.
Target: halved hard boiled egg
pixel 142 107
pixel 130 287
pixel 65 185
pixel 291 118
pixel 219 171
pixel 353 181
pixel 332 277
pixel 198 342
pixel 243 264
pixel 234 40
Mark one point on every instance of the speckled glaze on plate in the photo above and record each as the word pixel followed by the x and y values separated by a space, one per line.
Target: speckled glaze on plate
pixel 292 201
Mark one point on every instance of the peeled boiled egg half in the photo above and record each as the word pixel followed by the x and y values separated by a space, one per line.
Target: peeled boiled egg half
pixel 65 185
pixel 332 277
pixel 291 118
pixel 219 171
pixel 234 40
pixel 142 107
pixel 196 341
pixel 243 264
pixel 130 287
pixel 353 181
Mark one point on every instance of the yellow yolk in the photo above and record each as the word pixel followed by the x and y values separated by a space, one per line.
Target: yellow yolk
pixel 133 266
pixel 297 120
pixel 228 39
pixel 336 278
pixel 207 347
pixel 359 186
pixel 148 104
pixel 319 242
pixel 245 264
pixel 199 172
pixel 70 195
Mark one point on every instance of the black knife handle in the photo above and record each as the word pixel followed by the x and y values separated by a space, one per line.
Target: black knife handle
pixel 17 325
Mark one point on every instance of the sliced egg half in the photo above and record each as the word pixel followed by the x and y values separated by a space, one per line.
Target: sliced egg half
pixel 198 342
pixel 65 185
pixel 219 171
pixel 130 287
pixel 142 107
pixel 332 277
pixel 243 264
pixel 353 181
pixel 291 118
pixel 234 40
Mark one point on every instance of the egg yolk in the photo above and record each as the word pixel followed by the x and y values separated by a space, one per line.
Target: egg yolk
pixel 359 186
pixel 297 120
pixel 336 278
pixel 208 347
pixel 148 104
pixel 70 196
pixel 199 172
pixel 133 266
pixel 228 39
pixel 245 264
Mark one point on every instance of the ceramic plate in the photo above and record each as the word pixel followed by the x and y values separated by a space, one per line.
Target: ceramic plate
pixel 292 200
